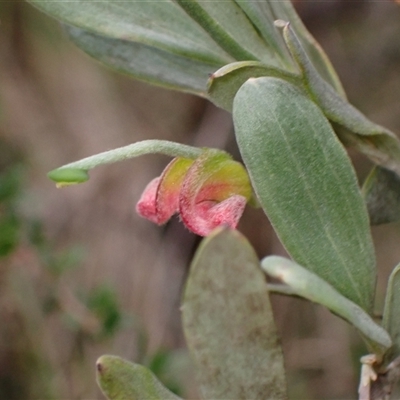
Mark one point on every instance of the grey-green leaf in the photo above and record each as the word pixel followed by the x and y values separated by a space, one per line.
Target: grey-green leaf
pixel 229 26
pixel 176 43
pixel 228 322
pixel 284 10
pixel 391 314
pixel 224 83
pixel 160 24
pixel 261 15
pixel 120 379
pixel 306 185
pixel 146 63
pixel 306 284
pixel 381 191
pixel 377 142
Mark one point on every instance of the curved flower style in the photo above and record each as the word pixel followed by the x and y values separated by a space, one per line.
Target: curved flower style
pixel 207 192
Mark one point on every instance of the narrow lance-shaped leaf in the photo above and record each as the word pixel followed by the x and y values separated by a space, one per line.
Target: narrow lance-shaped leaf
pixel 284 10
pixel 391 315
pixel 306 185
pixel 262 17
pixel 381 191
pixel 264 13
pixel 159 24
pixel 229 26
pixel 176 44
pixel 144 62
pixel 306 284
pixel 377 142
pixel 228 322
pixel 122 380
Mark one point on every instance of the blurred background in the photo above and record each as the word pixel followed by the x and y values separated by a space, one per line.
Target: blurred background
pixel 82 275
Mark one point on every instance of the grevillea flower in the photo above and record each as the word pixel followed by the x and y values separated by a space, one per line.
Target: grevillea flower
pixel 207 192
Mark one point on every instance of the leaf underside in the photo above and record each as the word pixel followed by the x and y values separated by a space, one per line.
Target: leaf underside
pixel 228 322
pixel 144 62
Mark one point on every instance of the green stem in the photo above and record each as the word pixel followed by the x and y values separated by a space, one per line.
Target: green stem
pixel 166 147
pixel 76 172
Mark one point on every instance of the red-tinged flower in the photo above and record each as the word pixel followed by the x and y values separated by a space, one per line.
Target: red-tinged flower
pixel 207 192
pixel 160 199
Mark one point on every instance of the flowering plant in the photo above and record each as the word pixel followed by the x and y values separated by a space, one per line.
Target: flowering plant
pixel 292 121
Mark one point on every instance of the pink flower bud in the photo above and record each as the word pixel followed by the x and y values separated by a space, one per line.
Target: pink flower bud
pixel 211 191
pixel 160 199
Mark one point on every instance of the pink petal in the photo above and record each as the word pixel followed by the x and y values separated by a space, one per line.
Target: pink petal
pixel 160 199
pixel 146 206
pixel 214 192
pixel 208 215
pixel 228 212
pixel 167 197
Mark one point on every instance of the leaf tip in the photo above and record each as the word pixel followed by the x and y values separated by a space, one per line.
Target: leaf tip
pixel 68 176
pixel 100 365
pixel 281 24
